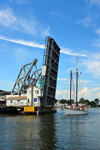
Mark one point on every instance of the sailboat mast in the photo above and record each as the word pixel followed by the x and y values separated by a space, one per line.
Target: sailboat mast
pixel 76 80
pixel 70 85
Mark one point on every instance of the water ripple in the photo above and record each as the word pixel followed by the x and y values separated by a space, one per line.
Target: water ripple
pixel 50 131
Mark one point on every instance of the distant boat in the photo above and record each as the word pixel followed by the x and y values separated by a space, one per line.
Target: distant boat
pixel 75 110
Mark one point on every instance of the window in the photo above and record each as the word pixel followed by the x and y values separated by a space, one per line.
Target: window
pixel 18 100
pixel 28 100
pixel 11 101
pixel 36 91
pixel 29 91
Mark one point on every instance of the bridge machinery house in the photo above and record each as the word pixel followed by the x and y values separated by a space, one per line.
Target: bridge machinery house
pixel 32 98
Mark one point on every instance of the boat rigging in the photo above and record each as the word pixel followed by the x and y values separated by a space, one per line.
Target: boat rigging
pixel 75 110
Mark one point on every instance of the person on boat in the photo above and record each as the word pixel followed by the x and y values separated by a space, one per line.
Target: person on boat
pixel 75 107
pixel 78 107
pixel 82 107
pixel 86 108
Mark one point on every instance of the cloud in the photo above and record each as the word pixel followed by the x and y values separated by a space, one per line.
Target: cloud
pixel 93 67
pixel 86 21
pixel 30 25
pixel 62 94
pixel 93 2
pixel 98 31
pixel 90 94
pixel 91 18
pixel 86 1
pixel 62 79
pixel 92 64
pixel 45 32
pixel 95 89
pixel 21 1
pixel 97 95
pixel 7 18
pixel 69 52
pixel 96 43
pixel 34 44
pixel 56 14
pixel 65 94
pixel 86 93
pixel 22 55
pixel 31 44
pixel 81 81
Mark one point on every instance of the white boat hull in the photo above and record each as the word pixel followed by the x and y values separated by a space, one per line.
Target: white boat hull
pixel 69 111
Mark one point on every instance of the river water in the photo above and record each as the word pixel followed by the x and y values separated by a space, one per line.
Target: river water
pixel 51 131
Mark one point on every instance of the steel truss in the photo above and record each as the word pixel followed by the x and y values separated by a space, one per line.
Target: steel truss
pixel 26 77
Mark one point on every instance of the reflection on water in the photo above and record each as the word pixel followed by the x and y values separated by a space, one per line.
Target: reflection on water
pixel 50 131
pixel 47 132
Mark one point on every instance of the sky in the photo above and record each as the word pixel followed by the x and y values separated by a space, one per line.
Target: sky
pixel 74 25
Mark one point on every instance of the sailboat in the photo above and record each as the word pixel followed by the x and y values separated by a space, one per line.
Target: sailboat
pixel 75 110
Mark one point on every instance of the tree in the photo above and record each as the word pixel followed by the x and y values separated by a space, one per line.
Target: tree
pixel 68 101
pixel 56 100
pixel 63 101
pixel 72 101
pixel 81 100
pixel 87 102
pixel 96 100
pixel 93 104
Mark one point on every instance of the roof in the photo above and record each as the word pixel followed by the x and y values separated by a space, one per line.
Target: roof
pixel 2 92
pixel 20 97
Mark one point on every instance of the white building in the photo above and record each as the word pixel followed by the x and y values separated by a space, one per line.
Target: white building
pixel 30 99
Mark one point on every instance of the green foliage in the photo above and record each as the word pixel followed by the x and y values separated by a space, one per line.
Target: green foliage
pixel 56 100
pixel 87 102
pixel 96 100
pixel 72 101
pixel 81 100
pixel 63 101
pixel 93 104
